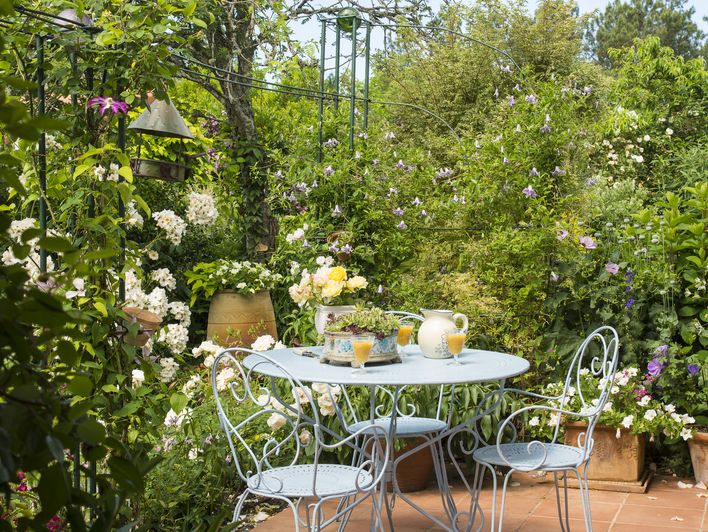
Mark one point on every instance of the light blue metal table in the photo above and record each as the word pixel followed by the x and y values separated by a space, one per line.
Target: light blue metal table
pixel 478 366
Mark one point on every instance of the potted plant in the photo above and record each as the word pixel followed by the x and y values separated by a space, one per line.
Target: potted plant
pixel 330 288
pixel 338 333
pixel 241 309
pixel 629 416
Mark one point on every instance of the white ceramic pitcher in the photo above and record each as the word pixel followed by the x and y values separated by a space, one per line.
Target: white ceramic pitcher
pixel 431 333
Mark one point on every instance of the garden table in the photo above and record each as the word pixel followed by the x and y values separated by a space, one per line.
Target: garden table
pixel 477 366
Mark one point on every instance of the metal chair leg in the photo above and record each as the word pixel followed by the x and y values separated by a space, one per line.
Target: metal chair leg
pixel 239 505
pixel 564 524
pixel 585 497
pixel 503 498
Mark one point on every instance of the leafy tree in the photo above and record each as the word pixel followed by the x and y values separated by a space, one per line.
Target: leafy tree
pixel 229 46
pixel 616 27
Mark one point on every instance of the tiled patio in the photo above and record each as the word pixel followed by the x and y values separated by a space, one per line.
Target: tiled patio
pixel 531 507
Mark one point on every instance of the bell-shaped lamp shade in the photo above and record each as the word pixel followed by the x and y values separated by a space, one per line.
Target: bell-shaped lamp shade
pixel 69 19
pixel 162 119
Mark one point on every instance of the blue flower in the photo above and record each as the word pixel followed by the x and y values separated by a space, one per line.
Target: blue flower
pixel 545 128
pixel 693 369
pixel 402 225
pixel 512 101
pixel 328 171
pixel 534 172
pixel 630 302
pixel 532 99
pixel 398 211
pixel 655 367
pixel 557 171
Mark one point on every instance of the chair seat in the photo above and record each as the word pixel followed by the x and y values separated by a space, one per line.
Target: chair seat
pixel 405 426
pixel 296 480
pixel 521 456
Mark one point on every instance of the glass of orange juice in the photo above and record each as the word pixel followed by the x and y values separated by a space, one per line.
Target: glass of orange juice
pixel 455 340
pixel 405 331
pixel 362 345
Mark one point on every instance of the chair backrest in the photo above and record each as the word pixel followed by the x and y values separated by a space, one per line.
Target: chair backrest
pixel 598 355
pixel 246 400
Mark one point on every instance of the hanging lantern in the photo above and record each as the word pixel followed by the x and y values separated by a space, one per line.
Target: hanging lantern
pixel 161 119
pixel 69 20
pixel 349 19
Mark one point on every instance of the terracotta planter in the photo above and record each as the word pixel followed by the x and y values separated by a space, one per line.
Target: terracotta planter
pixel 415 472
pixel 616 459
pixel 238 319
pixel 698 447
pixel 148 321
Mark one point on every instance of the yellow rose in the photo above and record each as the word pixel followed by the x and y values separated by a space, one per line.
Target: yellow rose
pixel 356 282
pixel 332 289
pixel 337 274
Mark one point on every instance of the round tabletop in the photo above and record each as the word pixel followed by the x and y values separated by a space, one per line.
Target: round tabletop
pixel 476 365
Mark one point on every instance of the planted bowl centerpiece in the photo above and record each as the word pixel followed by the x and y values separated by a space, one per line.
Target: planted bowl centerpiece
pixel 338 336
pixel 330 289
pixel 241 309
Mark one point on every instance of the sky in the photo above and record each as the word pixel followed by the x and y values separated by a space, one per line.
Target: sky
pixel 310 31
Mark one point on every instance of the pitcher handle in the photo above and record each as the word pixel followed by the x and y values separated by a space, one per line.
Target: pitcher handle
pixel 465 321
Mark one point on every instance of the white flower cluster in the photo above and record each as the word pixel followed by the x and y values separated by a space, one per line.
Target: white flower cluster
pixel 191 387
pixel 172 419
pixel 201 209
pixel 175 336
pixel 173 225
pixel 133 217
pixel 138 378
pixel 265 342
pixel 208 350
pixel 298 235
pixel 169 369
pixel 181 312
pixel 164 278
pixel 31 262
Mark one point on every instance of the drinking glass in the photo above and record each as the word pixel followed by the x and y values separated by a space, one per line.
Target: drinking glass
pixel 362 345
pixel 405 332
pixel 455 340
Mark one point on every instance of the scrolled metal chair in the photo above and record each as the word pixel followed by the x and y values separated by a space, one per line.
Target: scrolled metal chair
pixel 236 386
pixel 552 456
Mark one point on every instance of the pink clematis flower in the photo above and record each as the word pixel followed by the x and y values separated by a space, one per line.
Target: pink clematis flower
pixel 106 103
pixel 611 268
pixel 561 234
pixel 587 242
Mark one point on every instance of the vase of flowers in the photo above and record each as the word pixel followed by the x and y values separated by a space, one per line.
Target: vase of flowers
pixel 241 309
pixel 330 289
pixel 630 416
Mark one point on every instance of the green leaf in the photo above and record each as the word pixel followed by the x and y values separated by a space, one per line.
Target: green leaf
pixel 106 38
pixel 126 474
pixel 80 170
pixel 178 401
pixel 81 386
pixel 55 243
pixel 688 311
pixel 53 489
pixel 91 432
pixel 128 409
pixel 100 306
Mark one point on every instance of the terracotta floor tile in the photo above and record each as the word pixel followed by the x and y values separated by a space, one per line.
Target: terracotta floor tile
pixel 671 499
pixel 549 524
pixel 659 516
pixel 619 527
pixel 600 511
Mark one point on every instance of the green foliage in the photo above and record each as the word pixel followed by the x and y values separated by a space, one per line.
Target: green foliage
pixel 670 21
pixel 372 320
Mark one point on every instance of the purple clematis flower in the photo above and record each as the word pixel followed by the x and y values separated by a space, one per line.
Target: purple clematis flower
pixel 532 99
pixel 400 164
pixel 106 103
pixel 402 225
pixel 557 171
pixel 529 192
pixel 655 367
pixel 612 268
pixel 534 172
pixel 693 369
pixel 328 171
pixel 398 211
pixel 661 350
pixel 561 234
pixel 512 101
pixel 587 242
